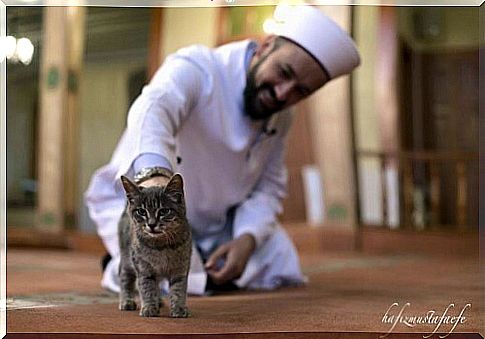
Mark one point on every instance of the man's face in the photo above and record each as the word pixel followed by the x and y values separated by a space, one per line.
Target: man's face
pixel 280 77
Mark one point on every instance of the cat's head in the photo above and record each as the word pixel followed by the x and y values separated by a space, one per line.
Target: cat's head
pixel 157 211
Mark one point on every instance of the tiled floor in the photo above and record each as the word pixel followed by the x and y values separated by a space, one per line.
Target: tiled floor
pixel 58 291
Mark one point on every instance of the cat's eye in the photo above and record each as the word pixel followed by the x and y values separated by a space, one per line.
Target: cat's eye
pixel 141 212
pixel 163 212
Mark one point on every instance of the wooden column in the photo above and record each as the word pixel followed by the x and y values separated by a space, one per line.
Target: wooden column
pixel 53 108
pixel 408 189
pixel 461 195
pixel 75 45
pixel 155 52
pixel 386 75
pixel 387 104
pixel 330 119
pixel 435 185
pixel 61 57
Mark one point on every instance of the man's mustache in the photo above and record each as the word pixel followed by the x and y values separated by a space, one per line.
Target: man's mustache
pixel 265 86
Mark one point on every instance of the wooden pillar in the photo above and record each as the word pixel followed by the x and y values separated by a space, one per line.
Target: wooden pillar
pixel 75 30
pixel 155 53
pixel 387 108
pixel 53 107
pixel 222 17
pixel 386 75
pixel 330 118
pixel 461 195
pixel 61 57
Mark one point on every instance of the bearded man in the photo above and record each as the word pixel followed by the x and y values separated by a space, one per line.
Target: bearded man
pixel 224 113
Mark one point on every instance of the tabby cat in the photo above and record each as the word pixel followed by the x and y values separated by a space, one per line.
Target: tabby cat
pixel 155 243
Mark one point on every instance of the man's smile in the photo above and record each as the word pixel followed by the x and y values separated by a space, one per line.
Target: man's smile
pixel 267 100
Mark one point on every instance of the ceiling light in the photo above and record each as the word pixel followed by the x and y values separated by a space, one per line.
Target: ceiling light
pixel 16 50
pixel 25 50
pixel 10 46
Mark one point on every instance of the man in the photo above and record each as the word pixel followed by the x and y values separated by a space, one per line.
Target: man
pixel 223 112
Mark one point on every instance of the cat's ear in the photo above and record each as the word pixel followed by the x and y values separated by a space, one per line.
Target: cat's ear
pixel 131 189
pixel 175 188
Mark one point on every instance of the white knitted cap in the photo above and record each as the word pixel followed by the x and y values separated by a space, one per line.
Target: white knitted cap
pixel 329 44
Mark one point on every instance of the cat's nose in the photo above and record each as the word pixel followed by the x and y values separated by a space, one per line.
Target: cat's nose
pixel 152 226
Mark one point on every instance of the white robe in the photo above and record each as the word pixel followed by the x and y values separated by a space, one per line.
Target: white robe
pixel 193 109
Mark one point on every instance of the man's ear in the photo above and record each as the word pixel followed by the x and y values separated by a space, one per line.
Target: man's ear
pixel 131 189
pixel 175 188
pixel 265 46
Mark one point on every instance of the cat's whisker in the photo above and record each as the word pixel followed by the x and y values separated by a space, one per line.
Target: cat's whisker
pixel 167 237
pixel 171 240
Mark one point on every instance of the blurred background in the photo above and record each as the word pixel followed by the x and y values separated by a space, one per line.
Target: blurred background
pixel 383 160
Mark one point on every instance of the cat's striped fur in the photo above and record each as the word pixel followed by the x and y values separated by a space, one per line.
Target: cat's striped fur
pixel 155 243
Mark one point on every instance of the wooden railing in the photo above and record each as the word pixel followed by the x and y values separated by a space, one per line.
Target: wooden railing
pixel 437 190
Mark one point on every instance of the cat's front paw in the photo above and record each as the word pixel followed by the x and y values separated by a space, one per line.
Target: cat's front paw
pixel 179 312
pixel 150 311
pixel 127 305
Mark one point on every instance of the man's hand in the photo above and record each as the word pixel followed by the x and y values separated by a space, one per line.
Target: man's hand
pixel 155 181
pixel 237 253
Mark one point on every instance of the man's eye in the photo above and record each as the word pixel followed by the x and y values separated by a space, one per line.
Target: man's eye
pixel 284 73
pixel 304 92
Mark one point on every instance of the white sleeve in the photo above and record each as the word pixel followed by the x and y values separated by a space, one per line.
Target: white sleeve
pixel 258 214
pixel 158 113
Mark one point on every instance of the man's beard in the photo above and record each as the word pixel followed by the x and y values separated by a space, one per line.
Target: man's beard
pixel 252 105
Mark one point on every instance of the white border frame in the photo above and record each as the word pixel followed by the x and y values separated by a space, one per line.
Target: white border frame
pixel 144 3
pixel 3 177
pixel 212 3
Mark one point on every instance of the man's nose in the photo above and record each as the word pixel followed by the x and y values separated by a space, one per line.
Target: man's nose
pixel 283 90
